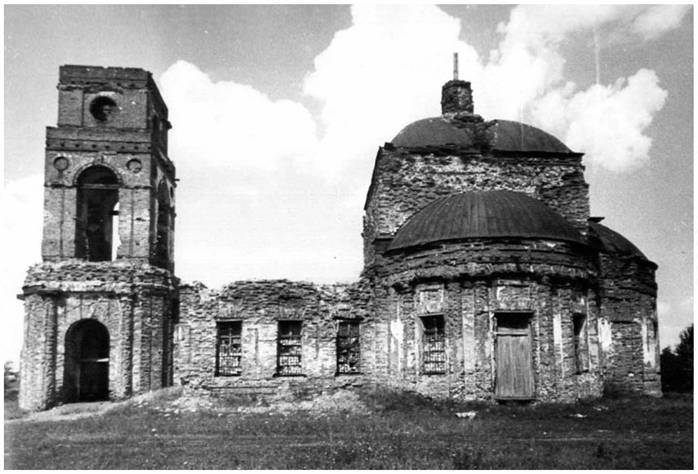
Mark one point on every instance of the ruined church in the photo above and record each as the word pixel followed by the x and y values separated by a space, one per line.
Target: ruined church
pixel 485 276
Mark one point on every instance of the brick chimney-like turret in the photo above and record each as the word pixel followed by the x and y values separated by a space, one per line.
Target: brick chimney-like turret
pixel 456 95
pixel 456 98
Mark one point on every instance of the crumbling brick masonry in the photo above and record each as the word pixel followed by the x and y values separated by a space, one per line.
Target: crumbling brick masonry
pixel 485 277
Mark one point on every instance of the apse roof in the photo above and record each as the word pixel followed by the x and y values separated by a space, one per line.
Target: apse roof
pixel 613 243
pixel 484 214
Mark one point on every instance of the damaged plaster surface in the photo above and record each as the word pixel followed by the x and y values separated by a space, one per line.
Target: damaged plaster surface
pixel 485 277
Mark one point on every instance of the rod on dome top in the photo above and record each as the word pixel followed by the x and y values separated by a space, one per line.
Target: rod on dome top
pixel 455 66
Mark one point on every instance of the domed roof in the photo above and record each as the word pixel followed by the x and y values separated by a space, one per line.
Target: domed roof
pixel 508 136
pixel 484 214
pixel 613 243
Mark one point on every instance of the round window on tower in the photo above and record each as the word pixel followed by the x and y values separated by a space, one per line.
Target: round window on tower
pixel 61 163
pixel 103 108
pixel 134 165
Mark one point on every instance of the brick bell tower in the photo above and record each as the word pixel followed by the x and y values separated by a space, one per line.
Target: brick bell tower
pixel 100 309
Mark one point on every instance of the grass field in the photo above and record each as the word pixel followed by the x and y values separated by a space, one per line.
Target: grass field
pixel 372 430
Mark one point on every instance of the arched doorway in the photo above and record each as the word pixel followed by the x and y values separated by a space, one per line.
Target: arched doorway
pixel 86 362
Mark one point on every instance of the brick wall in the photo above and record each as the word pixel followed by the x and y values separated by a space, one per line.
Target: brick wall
pixel 260 305
pixel 404 181
pixel 132 143
pixel 390 306
pixel 133 302
pixel 628 305
pixel 550 281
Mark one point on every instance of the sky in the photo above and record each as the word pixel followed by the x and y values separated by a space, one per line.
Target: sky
pixel 278 112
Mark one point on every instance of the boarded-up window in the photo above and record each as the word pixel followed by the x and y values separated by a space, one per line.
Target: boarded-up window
pixel 433 345
pixel 229 348
pixel 348 347
pixel 581 354
pixel 289 348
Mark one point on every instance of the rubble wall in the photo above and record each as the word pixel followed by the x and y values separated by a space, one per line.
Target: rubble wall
pixel 133 302
pixel 629 310
pixel 260 305
pixel 132 143
pixel 406 180
pixel 470 285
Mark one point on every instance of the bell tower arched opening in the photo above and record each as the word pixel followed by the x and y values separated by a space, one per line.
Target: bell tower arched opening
pixel 163 228
pixel 86 362
pixel 97 201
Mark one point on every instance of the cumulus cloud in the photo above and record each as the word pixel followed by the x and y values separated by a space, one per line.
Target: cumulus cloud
pixel 381 73
pixel 384 71
pixel 607 122
pixel 21 203
pixel 249 160
pixel 241 156
pixel 656 20
pixel 230 124
pixel 244 154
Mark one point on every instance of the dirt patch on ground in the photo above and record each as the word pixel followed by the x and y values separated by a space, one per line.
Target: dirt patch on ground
pixel 75 411
pixel 175 401
pixel 72 411
pixel 340 401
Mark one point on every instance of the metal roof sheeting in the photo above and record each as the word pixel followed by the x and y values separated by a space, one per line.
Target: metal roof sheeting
pixel 613 243
pixel 517 136
pixel 509 136
pixel 484 214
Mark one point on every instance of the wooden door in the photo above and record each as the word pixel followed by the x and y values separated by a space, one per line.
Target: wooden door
pixel 514 373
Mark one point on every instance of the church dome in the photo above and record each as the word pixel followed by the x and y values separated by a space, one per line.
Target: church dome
pixel 613 243
pixel 459 126
pixel 509 136
pixel 484 214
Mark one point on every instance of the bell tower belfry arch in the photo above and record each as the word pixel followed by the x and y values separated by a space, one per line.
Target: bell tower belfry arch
pixel 108 235
pixel 111 136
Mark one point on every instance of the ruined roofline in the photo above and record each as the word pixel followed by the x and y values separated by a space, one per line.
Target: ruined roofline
pixel 196 284
pixel 127 77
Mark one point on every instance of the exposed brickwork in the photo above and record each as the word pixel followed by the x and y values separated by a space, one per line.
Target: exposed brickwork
pixel 132 143
pixel 260 305
pixel 457 96
pixel 433 316
pixel 134 303
pixel 405 180
pixel 113 119
pixel 628 303
pixel 474 283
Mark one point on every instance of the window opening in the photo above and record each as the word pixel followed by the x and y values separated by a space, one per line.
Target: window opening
pixel 434 345
pixel 289 348
pixel 348 353
pixel 579 337
pixel 229 348
pixel 103 108
pixel 97 200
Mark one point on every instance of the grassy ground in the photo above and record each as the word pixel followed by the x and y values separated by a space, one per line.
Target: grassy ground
pixel 374 430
